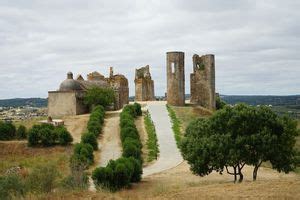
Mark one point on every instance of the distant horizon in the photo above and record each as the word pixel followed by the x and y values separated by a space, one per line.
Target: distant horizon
pixel 163 96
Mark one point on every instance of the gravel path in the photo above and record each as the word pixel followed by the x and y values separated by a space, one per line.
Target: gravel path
pixel 169 154
pixel 110 143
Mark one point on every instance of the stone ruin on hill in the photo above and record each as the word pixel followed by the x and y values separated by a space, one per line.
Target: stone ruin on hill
pixel 144 85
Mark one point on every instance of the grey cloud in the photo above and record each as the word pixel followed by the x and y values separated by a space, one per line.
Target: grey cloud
pixel 256 43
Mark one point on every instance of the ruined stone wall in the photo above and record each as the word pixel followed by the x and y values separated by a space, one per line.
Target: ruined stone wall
pixel 64 104
pixel 175 79
pixel 203 81
pixel 144 85
pixel 120 84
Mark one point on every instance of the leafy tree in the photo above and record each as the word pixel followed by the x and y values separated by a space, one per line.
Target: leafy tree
pixel 99 96
pixel 240 135
pixel 21 132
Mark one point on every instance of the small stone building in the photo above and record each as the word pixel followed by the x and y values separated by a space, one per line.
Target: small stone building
pixel 203 81
pixel 68 99
pixel 175 79
pixel 144 85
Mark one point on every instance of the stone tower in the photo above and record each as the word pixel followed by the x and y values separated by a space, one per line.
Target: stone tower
pixel 203 81
pixel 144 85
pixel 175 79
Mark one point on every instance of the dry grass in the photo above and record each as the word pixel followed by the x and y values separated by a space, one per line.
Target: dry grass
pixel 189 113
pixel 28 123
pixel 180 183
pixel 17 153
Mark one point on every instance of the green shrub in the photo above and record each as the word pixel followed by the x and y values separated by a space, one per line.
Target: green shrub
pixel 138 109
pixel 33 136
pixel 64 137
pixel 137 170
pixel 48 135
pixel 130 109
pixel 135 142
pixel 21 132
pixel 90 138
pixel 96 120
pixel 129 132
pixel 131 150
pixel 83 153
pixel 7 131
pixel 116 175
pixel 121 172
pixel 12 187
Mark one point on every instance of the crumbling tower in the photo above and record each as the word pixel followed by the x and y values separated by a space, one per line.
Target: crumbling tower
pixel 175 79
pixel 144 85
pixel 203 81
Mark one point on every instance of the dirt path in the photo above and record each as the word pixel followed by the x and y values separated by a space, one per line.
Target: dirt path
pixel 76 125
pixel 109 142
pixel 169 154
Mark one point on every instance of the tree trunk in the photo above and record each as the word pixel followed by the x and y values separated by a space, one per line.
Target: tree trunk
pixel 240 173
pixel 235 176
pixel 255 170
pixel 241 177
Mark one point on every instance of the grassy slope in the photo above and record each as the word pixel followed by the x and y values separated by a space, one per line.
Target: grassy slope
pixel 19 154
pixel 188 114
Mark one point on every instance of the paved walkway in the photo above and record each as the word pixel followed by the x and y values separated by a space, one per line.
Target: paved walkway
pixel 169 154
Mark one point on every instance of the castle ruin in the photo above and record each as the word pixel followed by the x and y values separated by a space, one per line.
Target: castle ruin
pixel 144 85
pixel 175 79
pixel 68 99
pixel 203 81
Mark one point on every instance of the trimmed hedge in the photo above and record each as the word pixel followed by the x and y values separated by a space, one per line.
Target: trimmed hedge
pixel 83 154
pixel 127 169
pixel 118 173
pixel 90 138
pixel 96 120
pixel 48 135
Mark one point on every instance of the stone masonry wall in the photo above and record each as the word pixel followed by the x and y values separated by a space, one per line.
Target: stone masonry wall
pixel 203 81
pixel 175 79
pixel 144 85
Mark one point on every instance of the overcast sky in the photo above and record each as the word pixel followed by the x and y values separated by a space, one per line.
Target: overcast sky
pixel 256 43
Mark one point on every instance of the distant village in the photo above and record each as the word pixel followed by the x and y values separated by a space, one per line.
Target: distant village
pixel 21 113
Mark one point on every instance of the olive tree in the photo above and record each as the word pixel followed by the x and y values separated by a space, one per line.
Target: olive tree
pixel 240 135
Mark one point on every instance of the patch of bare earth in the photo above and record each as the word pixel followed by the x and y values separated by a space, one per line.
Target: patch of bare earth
pixel 76 125
pixel 109 141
